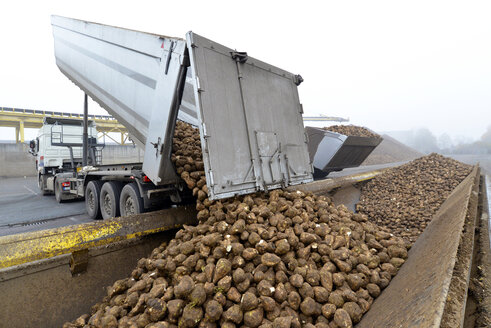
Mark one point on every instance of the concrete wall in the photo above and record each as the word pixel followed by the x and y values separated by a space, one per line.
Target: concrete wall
pixel 15 161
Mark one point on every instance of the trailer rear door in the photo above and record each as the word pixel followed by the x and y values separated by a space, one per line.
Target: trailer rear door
pixel 250 121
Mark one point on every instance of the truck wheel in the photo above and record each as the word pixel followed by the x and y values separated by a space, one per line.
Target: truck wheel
pixel 109 202
pixel 92 195
pixel 131 202
pixel 41 184
pixel 58 194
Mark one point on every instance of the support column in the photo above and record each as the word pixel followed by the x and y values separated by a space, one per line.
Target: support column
pixel 122 138
pixel 85 134
pixel 16 134
pixel 21 130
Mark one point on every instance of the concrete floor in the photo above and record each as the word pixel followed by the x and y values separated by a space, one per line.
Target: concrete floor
pixel 23 208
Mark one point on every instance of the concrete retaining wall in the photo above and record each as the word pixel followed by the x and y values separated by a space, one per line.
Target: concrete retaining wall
pixel 15 161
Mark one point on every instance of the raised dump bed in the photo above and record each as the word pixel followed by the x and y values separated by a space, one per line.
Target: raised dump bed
pixel 330 151
pixel 147 80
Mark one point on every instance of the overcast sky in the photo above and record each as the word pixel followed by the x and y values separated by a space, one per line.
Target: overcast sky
pixel 387 65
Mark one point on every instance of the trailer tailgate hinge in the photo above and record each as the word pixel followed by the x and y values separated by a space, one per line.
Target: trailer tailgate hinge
pixel 171 49
pixel 297 79
pixel 198 85
pixel 239 56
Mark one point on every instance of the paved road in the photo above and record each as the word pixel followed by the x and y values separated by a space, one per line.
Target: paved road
pixel 23 208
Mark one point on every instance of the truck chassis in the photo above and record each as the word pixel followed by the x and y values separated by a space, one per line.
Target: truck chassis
pixel 113 190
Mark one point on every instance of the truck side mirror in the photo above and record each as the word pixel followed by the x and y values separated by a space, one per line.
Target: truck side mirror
pixel 33 147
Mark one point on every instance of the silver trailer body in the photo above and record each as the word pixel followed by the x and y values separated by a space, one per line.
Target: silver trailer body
pixel 132 75
pixel 248 112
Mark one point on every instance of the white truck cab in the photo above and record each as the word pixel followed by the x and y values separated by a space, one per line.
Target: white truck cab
pixel 58 148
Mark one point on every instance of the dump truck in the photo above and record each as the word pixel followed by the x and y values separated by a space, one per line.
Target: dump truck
pixel 53 276
pixel 248 114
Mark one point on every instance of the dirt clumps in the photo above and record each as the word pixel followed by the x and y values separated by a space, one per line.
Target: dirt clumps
pixel 405 198
pixel 283 259
pixel 352 130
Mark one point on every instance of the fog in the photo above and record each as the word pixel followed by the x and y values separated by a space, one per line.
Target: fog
pixel 387 65
pixel 424 141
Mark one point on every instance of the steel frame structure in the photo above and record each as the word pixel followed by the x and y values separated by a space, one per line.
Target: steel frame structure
pixel 21 119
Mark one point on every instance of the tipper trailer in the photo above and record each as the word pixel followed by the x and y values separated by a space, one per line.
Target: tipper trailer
pixel 248 114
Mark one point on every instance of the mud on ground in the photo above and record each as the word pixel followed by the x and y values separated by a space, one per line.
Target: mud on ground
pixel 478 311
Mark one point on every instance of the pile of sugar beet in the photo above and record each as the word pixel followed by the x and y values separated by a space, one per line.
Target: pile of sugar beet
pixel 405 198
pixel 278 259
pixel 352 130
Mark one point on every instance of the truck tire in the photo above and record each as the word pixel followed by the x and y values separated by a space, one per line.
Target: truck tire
pixel 92 196
pixel 41 185
pixel 131 202
pixel 58 193
pixel 109 201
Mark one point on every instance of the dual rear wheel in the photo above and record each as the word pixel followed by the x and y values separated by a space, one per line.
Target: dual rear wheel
pixel 111 199
pixel 130 202
pixel 92 197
